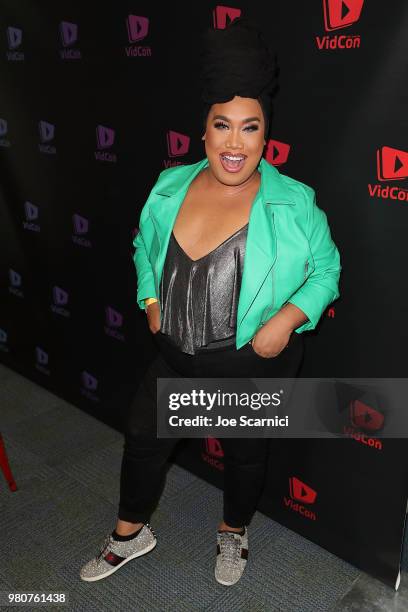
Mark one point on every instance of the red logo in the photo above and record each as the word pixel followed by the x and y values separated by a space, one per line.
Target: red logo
pixel 365 417
pixel 213 453
pixel 223 15
pixel 341 13
pixel 392 165
pixel 277 153
pixel 300 494
pixel 177 144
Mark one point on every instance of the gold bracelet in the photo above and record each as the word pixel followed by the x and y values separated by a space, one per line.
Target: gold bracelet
pixel 149 301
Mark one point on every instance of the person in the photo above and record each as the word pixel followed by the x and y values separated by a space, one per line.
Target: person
pixel 234 261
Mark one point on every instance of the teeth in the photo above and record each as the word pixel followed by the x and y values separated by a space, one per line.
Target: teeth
pixel 230 157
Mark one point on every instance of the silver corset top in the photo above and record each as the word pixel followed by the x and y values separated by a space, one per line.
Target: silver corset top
pixel 199 298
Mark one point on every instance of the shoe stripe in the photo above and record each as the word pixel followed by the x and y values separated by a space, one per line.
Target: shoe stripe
pixel 113 559
pixel 244 553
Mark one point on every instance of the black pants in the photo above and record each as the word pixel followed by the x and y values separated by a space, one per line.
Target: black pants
pixel 245 459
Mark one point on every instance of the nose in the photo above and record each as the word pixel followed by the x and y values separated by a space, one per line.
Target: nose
pixel 234 141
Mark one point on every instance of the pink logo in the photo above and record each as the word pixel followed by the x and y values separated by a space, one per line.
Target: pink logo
pixel 177 144
pixel 68 33
pixel 224 15
pixel 137 27
pixel 14 37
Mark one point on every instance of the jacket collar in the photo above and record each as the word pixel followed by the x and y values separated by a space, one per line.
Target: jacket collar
pixel 273 188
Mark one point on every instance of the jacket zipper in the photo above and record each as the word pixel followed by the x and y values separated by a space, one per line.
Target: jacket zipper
pixel 156 262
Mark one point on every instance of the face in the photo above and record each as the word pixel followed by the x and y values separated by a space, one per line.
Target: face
pixel 235 128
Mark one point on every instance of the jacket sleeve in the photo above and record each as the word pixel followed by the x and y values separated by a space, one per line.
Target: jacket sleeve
pixel 145 276
pixel 322 286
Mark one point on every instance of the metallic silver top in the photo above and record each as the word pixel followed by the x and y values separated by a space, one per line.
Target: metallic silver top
pixel 199 298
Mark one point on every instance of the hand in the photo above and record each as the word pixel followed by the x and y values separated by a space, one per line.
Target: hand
pixel 272 338
pixel 153 317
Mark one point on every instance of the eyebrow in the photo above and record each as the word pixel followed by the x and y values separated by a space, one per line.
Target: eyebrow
pixel 243 121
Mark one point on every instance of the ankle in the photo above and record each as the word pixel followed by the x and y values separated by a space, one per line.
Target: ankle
pixel 125 528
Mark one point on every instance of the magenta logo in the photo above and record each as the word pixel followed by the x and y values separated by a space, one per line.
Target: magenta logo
pixel 3 127
pixel 223 15
pixel 31 211
pixel 177 144
pixel 105 137
pixel 46 131
pixel 89 381
pixel 80 224
pixel 14 37
pixel 113 317
pixel 41 356
pixel 59 295
pixel 68 33
pixel 137 27
pixel 15 278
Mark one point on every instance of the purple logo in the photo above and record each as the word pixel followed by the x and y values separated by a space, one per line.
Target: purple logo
pixel 15 278
pixel 114 320
pixel 41 356
pixel 31 213
pixel 81 225
pixel 89 381
pixel 104 137
pixel 14 37
pixel 68 33
pixel 46 131
pixel 60 296
pixel 137 27
pixel 69 36
pixel 3 341
pixel 4 142
pixel 113 317
pixel 41 360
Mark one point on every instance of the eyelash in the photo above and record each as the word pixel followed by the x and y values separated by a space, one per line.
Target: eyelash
pixel 254 127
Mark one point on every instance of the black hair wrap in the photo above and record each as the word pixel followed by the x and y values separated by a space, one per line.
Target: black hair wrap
pixel 237 61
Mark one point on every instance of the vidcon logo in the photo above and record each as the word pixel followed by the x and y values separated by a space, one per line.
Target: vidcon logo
pixel 114 320
pixel 14 40
pixel 223 15
pixel 392 165
pixel 276 152
pixel 69 36
pixel 81 228
pixel 41 361
pixel 339 14
pixel 3 133
pixel 47 134
pixel 60 299
pixel 177 145
pixel 89 386
pixel 15 283
pixel 3 341
pixel 105 137
pixel 302 496
pixel 31 216
pixel 213 453
pixel 367 418
pixel 137 29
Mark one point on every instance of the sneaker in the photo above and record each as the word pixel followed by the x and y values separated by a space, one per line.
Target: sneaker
pixel 232 555
pixel 114 554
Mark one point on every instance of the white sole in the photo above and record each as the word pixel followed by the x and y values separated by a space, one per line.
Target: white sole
pixel 139 553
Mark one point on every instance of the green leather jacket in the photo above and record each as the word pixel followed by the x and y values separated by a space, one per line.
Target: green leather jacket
pixel 289 255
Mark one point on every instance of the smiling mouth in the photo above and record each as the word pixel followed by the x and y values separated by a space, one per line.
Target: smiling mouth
pixel 232 163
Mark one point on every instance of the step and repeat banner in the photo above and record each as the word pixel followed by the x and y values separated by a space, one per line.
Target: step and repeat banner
pixel 95 101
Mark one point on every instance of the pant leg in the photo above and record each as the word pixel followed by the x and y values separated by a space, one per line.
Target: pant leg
pixel 145 456
pixel 246 459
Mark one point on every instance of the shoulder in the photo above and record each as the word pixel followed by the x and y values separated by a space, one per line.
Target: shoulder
pixel 301 192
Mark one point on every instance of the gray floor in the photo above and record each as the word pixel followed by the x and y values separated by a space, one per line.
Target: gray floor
pixel 67 464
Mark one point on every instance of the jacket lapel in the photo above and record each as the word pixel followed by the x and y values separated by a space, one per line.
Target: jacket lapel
pixel 261 249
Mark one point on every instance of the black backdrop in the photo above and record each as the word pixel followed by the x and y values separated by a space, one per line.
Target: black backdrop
pixel 96 99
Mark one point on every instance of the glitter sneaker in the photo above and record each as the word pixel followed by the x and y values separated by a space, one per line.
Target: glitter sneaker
pixel 114 554
pixel 232 555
